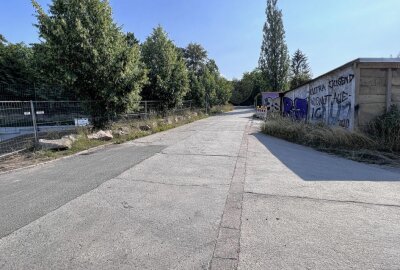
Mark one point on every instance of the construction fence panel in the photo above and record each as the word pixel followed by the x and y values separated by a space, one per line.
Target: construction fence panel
pixel 23 123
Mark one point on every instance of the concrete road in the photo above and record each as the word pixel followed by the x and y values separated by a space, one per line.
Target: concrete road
pixel 214 194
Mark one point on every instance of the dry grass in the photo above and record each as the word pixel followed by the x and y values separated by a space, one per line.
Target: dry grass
pixel 319 136
pixel 353 145
pixel 221 109
pixel 131 132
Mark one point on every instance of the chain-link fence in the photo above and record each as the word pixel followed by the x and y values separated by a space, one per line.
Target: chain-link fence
pixel 23 123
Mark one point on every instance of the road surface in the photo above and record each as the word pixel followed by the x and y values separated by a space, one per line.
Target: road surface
pixel 214 194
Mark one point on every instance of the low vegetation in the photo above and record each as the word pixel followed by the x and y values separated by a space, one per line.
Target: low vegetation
pixel 379 146
pixel 385 130
pixel 123 131
pixel 221 109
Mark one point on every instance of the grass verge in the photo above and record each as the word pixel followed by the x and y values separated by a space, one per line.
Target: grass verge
pixel 123 131
pixel 352 145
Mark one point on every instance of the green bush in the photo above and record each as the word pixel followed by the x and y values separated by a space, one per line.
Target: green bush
pixel 385 130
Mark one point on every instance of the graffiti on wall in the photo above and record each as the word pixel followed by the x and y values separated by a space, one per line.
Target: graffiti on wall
pixel 271 101
pixel 332 99
pixel 295 103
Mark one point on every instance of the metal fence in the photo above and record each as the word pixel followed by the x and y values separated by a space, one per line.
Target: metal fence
pixel 37 92
pixel 23 123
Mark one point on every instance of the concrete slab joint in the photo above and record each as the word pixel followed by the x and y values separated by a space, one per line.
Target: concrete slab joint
pixel 227 247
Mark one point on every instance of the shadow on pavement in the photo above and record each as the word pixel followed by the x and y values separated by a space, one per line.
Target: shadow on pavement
pixel 311 165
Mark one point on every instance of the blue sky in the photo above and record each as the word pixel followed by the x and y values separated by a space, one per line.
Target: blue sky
pixel 330 32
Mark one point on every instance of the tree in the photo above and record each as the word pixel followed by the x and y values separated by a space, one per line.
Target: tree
pixel 210 83
pixel 206 85
pixel 224 91
pixel 243 89
pixel 168 75
pixel 248 88
pixel 299 69
pixel 15 63
pixel 131 39
pixel 218 90
pixel 195 56
pixel 86 52
pixel 274 58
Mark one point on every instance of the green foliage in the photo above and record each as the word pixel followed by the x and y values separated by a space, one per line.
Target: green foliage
pixel 205 81
pixel 224 91
pixel 246 90
pixel 196 57
pixel 299 69
pixel 386 129
pixel 86 52
pixel 131 39
pixel 274 58
pixel 15 63
pixel 197 91
pixel 168 75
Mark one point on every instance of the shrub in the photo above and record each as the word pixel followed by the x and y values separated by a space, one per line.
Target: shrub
pixel 316 135
pixel 385 130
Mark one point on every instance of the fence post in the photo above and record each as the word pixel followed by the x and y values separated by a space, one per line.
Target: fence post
pixel 35 130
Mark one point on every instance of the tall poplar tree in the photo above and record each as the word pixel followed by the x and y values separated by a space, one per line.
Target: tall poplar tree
pixel 274 57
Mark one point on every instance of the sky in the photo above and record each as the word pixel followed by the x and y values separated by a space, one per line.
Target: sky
pixel 330 32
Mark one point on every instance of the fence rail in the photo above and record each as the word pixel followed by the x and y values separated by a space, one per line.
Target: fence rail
pixel 37 92
pixel 23 123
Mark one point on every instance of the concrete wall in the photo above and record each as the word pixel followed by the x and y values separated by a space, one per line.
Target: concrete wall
pixel 271 101
pixel 328 99
pixel 372 95
pixel 379 88
pixel 295 103
pixel 396 87
pixel 350 96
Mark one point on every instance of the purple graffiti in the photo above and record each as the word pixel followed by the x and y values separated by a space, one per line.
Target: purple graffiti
pixel 287 106
pixel 297 109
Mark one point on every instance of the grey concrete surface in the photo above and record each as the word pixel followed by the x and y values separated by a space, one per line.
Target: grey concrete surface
pixel 304 209
pixel 291 233
pixel 162 213
pixel 214 194
pixel 27 195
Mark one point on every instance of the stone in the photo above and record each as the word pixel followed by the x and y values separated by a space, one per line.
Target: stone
pixel 168 121
pixel 194 114
pixel 72 137
pixel 121 131
pixel 145 128
pixel 60 144
pixel 101 135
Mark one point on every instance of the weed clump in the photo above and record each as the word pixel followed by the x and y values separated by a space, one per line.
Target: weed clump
pixel 385 130
pixel 319 136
